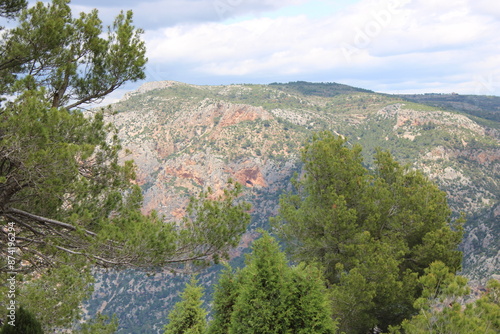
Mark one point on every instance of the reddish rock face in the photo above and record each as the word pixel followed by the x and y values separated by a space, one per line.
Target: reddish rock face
pixel 184 173
pixel 250 177
pixel 237 113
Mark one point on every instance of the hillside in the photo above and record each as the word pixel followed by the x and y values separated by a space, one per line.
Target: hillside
pixel 487 107
pixel 184 138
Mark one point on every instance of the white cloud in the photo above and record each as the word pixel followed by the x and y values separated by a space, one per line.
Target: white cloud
pixel 488 8
pixel 285 45
pixel 153 14
pixel 386 45
pixel 428 43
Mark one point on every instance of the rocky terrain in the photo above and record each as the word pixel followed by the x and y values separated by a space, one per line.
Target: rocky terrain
pixel 185 138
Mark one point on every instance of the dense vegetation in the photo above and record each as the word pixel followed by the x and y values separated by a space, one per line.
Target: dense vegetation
pixel 441 308
pixel 328 89
pixel 25 323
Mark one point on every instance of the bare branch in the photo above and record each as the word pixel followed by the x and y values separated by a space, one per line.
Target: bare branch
pixel 46 220
pixel 94 97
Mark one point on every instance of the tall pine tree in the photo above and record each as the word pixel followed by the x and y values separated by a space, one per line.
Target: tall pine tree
pixel 373 231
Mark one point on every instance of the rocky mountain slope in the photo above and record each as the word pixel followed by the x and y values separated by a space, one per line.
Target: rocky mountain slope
pixel 184 138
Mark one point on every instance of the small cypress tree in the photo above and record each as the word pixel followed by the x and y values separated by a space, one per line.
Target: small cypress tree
pixel 268 296
pixel 310 310
pixel 188 316
pixel 261 305
pixel 101 324
pixel 25 323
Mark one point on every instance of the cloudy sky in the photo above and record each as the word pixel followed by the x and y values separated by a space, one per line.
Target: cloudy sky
pixel 391 46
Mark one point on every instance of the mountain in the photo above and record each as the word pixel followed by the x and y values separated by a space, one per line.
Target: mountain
pixel 184 138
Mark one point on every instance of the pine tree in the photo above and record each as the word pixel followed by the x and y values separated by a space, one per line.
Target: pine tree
pixel 10 8
pixel 64 191
pixel 188 316
pixel 373 231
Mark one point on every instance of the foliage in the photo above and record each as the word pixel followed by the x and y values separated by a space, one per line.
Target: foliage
pixel 24 323
pixel 9 8
pixel 328 89
pixel 213 225
pixel 225 294
pixel 268 296
pixel 374 232
pixel 56 295
pixel 59 170
pixel 62 184
pixel 441 306
pixel 188 316
pixel 101 324
pixel 67 202
pixel 49 48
